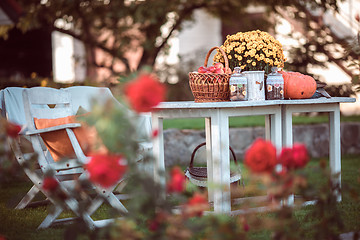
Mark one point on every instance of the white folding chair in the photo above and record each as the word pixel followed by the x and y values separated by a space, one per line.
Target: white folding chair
pixel 12 108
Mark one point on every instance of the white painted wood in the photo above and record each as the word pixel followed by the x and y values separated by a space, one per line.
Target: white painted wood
pixel 51 129
pixel 28 197
pixel 278 128
pixel 268 127
pixel 239 104
pixel 77 148
pixel 335 145
pixel 36 102
pixel 221 161
pixel 287 132
pixel 209 161
pixel 217 136
pixel 275 128
pixel 158 150
pixel 333 108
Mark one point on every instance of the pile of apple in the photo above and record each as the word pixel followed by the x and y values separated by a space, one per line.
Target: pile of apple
pixel 216 68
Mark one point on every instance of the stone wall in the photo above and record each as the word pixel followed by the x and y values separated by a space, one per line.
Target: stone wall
pixel 179 144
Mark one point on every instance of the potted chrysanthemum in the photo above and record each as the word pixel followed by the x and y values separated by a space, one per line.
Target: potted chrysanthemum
pixel 255 52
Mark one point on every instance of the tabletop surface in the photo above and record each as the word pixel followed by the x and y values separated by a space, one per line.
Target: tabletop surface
pixel 233 104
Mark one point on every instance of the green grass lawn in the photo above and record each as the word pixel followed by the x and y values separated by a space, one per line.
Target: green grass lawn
pixel 22 224
pixel 251 121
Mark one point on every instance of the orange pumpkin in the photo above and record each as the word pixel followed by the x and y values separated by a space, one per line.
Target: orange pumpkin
pixel 298 86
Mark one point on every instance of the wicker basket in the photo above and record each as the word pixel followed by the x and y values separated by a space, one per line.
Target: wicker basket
pixel 198 175
pixel 210 87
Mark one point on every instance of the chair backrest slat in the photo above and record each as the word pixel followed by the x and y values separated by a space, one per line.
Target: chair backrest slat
pixel 43 102
pixel 48 96
pixel 51 113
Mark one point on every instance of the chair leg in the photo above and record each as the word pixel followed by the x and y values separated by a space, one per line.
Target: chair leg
pixel 28 197
pixel 115 203
pixel 50 218
pixel 95 204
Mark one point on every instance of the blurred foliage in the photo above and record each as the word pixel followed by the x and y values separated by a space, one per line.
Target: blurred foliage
pixel 353 54
pixel 318 45
pixel 124 28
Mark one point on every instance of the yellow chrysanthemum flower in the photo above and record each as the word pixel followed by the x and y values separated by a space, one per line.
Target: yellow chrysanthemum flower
pixel 253 50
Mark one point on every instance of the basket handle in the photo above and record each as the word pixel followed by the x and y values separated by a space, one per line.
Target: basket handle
pixel 222 52
pixel 202 144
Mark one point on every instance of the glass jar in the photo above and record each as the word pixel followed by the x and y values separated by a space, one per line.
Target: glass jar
pixel 274 85
pixel 238 86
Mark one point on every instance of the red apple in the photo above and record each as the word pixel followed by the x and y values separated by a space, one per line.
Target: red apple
pixel 219 70
pixel 211 69
pixel 218 65
pixel 202 69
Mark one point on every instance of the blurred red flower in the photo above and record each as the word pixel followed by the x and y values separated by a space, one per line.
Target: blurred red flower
pixel 50 184
pixel 294 157
pixel 196 205
pixel 261 156
pixel 106 170
pixel 177 181
pixel 155 224
pixel 246 227
pixel 155 133
pixel 145 93
pixel 12 129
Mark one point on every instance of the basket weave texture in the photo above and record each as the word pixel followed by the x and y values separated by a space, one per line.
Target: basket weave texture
pixel 210 87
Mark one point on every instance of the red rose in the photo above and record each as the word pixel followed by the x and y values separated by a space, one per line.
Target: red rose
pixel 12 129
pixel 295 157
pixel 155 223
pixel 50 184
pixel 246 227
pixel 286 157
pixel 261 156
pixel 106 170
pixel 177 181
pixel 155 133
pixel 145 93
pixel 196 205
pixel 300 154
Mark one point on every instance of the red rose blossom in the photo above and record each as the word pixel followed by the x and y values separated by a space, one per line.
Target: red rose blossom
pixel 155 133
pixel 246 227
pixel 106 170
pixel 145 93
pixel 12 129
pixel 295 157
pixel 196 205
pixel 261 156
pixel 50 184
pixel 177 181
pixel 155 223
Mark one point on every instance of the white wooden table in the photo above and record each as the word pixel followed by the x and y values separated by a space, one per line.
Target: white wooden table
pixel 217 138
pixel 278 125
pixel 329 105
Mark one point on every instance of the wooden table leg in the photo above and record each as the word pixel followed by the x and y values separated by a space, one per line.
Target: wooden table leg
pixel 221 161
pixel 209 161
pixel 158 151
pixel 335 146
